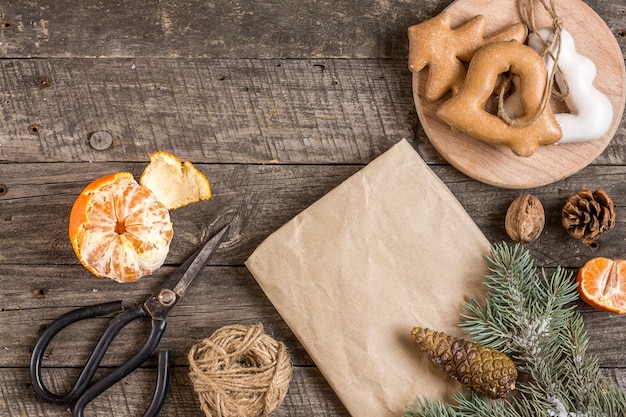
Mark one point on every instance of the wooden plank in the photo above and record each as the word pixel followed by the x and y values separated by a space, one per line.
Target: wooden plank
pixel 308 396
pixel 606 337
pixel 239 111
pixel 221 296
pixel 242 111
pixel 258 199
pixel 242 195
pixel 224 28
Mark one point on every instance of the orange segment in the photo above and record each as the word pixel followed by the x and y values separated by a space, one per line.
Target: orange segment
pixel 175 183
pixel 602 284
pixel 119 229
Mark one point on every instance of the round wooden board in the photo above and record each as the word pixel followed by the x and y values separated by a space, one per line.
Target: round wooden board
pixel 497 165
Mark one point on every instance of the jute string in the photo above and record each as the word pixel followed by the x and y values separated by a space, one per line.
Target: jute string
pixel 240 372
pixel 528 15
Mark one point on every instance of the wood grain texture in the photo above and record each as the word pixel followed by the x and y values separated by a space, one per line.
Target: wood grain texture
pixel 277 102
pixel 221 296
pixel 241 111
pixel 309 396
pixel 238 111
pixel 222 28
pixel 258 199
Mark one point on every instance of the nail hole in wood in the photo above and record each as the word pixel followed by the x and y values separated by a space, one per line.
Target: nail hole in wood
pixel 5 25
pixel 34 129
pixel 100 140
pixel 40 293
pixel 3 189
pixel 43 82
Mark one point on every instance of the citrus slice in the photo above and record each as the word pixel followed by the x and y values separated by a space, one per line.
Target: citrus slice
pixel 119 229
pixel 175 183
pixel 602 284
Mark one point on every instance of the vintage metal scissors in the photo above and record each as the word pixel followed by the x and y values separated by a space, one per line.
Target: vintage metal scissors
pixel 157 307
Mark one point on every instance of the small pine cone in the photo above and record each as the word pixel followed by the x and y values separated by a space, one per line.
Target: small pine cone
pixel 587 214
pixel 484 370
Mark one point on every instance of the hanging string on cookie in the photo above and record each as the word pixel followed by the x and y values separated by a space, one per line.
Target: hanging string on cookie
pixel 552 49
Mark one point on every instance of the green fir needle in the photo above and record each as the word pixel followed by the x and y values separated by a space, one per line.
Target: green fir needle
pixel 532 317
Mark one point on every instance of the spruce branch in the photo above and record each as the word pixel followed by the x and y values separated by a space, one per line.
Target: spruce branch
pixel 532 317
pixel 473 405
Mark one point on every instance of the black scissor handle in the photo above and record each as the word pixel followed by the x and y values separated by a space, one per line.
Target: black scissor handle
pixel 82 393
pixel 158 327
pixel 92 364
pixel 162 382
pixel 158 397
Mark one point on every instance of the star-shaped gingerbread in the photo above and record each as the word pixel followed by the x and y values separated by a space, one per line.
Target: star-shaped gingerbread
pixel 445 51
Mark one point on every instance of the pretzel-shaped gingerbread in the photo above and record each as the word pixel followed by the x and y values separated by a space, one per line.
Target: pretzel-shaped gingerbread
pixel 466 110
pixel 444 50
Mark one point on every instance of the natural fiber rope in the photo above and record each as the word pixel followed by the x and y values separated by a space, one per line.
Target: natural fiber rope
pixel 527 13
pixel 240 372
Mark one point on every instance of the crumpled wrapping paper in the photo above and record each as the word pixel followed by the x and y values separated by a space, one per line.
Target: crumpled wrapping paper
pixel 388 249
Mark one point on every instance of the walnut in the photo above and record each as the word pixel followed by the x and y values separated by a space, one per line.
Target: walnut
pixel 525 218
pixel 588 214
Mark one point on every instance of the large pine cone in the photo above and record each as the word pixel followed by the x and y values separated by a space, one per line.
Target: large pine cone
pixel 587 214
pixel 484 370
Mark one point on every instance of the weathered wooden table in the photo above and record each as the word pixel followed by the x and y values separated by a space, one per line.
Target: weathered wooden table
pixel 277 103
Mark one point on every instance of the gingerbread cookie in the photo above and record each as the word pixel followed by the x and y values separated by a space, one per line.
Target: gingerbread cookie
pixel 466 112
pixel 445 51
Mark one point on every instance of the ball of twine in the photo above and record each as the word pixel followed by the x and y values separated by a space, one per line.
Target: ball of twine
pixel 240 371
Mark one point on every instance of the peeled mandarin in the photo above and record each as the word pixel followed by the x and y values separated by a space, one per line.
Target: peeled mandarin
pixel 602 284
pixel 119 229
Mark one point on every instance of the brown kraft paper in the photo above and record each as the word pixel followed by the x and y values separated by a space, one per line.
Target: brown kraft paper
pixel 388 249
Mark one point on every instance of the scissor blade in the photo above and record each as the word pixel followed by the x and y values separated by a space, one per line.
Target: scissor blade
pixel 197 262
pixel 176 286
